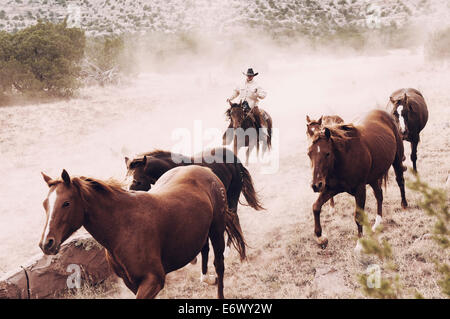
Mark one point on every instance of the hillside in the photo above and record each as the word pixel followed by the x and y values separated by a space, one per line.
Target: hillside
pixel 311 17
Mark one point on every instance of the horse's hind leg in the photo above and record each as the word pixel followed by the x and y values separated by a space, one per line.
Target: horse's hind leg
pixel 414 155
pixel 204 277
pixel 378 192
pixel 399 169
pixel 218 243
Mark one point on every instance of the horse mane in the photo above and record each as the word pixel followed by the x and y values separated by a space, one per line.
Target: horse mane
pixel 88 187
pixel 341 135
pixel 156 153
pixel 228 111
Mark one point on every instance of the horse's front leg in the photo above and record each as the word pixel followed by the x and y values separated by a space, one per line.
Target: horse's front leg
pixel 150 286
pixel 360 198
pixel 317 207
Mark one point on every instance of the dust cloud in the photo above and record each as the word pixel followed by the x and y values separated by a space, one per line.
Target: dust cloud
pixel 90 134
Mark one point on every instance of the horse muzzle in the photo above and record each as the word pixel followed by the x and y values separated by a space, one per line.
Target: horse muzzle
pixel 318 187
pixel 50 246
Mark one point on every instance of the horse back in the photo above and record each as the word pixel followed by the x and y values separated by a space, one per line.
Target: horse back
pixel 190 198
pixel 380 134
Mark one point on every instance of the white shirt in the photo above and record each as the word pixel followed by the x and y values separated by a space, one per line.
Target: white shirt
pixel 249 91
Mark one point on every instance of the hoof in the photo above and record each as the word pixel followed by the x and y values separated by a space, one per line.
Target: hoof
pixel 404 205
pixel 323 242
pixel 208 279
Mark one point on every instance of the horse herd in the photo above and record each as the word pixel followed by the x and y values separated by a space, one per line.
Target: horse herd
pixel 177 204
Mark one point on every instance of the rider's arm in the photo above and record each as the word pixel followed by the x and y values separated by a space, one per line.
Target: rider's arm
pixel 235 94
pixel 260 93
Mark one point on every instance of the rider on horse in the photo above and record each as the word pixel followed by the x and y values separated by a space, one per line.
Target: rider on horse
pixel 250 94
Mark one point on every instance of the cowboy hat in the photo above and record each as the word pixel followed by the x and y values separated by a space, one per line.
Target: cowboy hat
pixel 250 72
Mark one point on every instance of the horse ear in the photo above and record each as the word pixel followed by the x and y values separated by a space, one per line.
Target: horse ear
pixel 308 120
pixel 65 176
pixel 127 162
pixel 47 178
pixel 327 133
pixel 231 104
pixel 144 160
pixel 320 120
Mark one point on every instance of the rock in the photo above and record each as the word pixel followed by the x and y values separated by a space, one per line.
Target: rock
pixel 80 262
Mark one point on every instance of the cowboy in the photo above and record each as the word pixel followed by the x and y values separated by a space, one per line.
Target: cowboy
pixel 250 93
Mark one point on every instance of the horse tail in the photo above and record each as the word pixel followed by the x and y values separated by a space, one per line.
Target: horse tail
pixel 269 133
pixel 248 190
pixel 234 232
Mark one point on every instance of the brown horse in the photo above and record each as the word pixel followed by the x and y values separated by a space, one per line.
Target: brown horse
pixel 243 129
pixel 346 158
pixel 146 235
pixel 411 114
pixel 313 126
pixel 148 167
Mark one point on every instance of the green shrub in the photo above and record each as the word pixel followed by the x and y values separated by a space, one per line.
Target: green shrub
pixel 42 59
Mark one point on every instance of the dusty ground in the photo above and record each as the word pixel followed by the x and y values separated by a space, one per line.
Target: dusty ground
pixel 90 135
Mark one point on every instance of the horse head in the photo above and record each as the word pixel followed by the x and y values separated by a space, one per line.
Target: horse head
pixel 236 114
pixel 321 154
pixel 137 168
pixel 313 126
pixel 401 110
pixel 64 210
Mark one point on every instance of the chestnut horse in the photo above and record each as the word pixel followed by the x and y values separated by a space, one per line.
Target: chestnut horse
pixel 346 158
pixel 146 235
pixel 243 130
pixel 313 127
pixel 148 167
pixel 411 114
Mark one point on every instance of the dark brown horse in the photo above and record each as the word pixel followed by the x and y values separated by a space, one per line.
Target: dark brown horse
pixel 148 167
pixel 411 114
pixel 346 158
pixel 146 234
pixel 313 126
pixel 243 129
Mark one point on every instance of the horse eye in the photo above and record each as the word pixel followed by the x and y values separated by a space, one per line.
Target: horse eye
pixel 327 154
pixel 137 182
pixel 66 204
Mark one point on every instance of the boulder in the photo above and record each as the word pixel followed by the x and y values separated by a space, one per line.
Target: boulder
pixel 80 262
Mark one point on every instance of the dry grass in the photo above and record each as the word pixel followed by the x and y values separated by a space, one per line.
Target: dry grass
pixel 89 136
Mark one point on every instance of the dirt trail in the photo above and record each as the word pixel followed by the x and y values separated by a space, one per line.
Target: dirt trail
pixel 90 135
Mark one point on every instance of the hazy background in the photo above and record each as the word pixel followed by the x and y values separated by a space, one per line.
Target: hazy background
pixel 181 77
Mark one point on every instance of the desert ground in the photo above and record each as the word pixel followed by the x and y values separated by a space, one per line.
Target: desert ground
pixel 90 135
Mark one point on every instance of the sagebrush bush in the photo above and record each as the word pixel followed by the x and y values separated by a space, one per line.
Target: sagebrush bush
pixel 42 59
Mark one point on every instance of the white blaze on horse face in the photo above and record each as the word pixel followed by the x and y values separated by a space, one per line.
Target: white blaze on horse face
pixel 318 149
pixel 400 118
pixel 51 208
